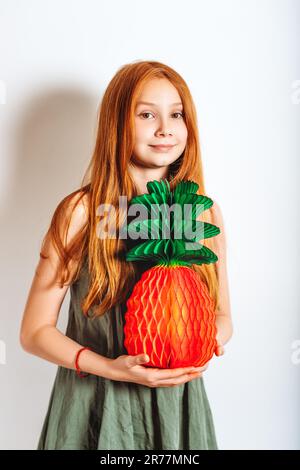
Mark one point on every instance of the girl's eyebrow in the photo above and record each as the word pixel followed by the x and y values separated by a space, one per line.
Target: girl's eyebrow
pixel 153 104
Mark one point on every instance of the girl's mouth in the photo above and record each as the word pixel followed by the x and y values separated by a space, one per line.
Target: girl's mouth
pixel 162 148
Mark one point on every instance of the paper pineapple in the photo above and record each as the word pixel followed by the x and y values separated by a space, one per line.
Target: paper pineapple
pixel 170 314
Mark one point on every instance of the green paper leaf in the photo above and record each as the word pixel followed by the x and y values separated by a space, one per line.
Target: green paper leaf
pixel 161 222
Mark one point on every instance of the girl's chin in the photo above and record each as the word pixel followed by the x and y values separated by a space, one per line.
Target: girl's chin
pixel 160 163
pixel 162 160
pixel 156 161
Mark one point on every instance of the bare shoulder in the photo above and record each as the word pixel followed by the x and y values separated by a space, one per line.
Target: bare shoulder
pixel 71 220
pixel 78 208
pixel 221 265
pixel 218 220
pixel 46 295
pixel 75 214
pixel 217 214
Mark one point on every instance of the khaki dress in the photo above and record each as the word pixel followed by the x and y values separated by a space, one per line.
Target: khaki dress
pixel 98 413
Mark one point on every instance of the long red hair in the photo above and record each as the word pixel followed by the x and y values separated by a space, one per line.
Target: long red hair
pixel 107 177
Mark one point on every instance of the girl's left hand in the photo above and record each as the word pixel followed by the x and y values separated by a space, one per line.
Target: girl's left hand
pixel 219 351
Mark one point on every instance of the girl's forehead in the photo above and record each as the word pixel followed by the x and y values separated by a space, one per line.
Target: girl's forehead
pixel 158 90
pixel 149 103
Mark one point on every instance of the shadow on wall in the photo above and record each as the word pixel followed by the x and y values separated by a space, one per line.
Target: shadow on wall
pixel 52 144
pixel 52 138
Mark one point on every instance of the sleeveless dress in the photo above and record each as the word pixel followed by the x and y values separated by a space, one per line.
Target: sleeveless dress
pixel 98 413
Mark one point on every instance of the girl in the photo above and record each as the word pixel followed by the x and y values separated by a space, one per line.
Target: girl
pixel 103 398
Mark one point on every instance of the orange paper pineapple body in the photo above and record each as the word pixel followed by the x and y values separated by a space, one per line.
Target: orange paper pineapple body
pixel 170 315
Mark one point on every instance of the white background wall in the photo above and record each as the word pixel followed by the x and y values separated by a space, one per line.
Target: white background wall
pixel 241 62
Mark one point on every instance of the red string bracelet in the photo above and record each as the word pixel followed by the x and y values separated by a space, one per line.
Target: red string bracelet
pixel 78 371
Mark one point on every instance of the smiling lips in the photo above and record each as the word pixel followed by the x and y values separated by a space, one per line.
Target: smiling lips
pixel 162 148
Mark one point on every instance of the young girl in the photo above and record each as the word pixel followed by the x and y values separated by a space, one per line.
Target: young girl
pixel 103 398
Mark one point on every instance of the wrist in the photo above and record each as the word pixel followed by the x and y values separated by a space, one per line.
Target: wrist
pixel 90 362
pixel 104 367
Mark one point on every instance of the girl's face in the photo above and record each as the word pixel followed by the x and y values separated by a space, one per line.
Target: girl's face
pixel 158 121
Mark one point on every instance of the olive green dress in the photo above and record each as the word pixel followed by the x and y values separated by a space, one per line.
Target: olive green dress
pixel 98 413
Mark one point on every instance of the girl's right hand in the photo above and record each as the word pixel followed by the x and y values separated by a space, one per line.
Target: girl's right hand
pixel 130 369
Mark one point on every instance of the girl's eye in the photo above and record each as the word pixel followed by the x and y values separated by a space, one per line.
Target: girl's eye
pixel 181 114
pixel 143 114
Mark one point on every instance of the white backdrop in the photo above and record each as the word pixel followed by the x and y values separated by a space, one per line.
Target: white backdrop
pixel 241 62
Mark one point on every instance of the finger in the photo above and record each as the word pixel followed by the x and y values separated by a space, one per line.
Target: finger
pixel 220 351
pixel 165 374
pixel 179 380
pixel 202 368
pixel 138 360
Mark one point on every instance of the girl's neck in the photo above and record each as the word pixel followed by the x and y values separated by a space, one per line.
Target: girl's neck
pixel 142 175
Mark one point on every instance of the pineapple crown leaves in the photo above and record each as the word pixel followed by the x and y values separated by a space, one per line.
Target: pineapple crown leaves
pixel 171 236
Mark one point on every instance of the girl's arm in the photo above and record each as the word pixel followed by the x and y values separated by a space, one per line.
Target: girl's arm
pixel 38 332
pixel 223 314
